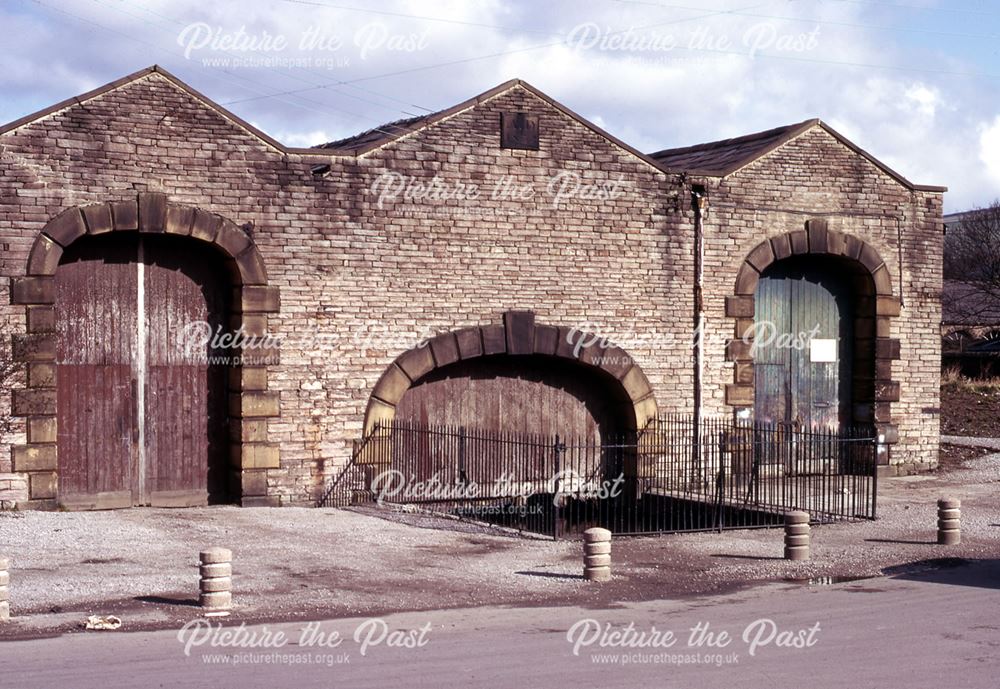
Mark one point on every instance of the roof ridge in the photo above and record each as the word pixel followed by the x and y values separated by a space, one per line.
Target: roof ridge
pixel 743 138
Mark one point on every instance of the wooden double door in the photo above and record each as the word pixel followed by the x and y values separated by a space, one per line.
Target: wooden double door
pixel 141 394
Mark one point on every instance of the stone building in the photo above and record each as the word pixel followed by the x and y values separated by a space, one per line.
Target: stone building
pixel 507 230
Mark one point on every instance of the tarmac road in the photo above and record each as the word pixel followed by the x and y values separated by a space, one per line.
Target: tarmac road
pixel 929 628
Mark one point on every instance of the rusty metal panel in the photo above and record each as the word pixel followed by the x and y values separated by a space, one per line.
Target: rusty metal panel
pixel 95 311
pixel 185 420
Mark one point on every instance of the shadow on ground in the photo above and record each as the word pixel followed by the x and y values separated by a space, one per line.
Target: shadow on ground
pixel 550 575
pixel 166 600
pixel 956 571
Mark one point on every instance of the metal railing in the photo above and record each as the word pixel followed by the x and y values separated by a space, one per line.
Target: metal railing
pixel 678 474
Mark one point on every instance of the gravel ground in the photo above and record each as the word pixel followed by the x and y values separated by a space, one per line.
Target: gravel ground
pixel 989 443
pixel 300 563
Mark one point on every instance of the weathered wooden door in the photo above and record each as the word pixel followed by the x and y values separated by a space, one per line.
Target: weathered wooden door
pixel 96 302
pixel 525 395
pixel 803 346
pixel 543 396
pixel 141 415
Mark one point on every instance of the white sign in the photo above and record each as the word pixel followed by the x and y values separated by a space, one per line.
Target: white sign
pixel 822 351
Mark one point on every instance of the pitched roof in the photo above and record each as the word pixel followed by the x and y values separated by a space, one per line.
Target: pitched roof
pixel 379 136
pixel 725 157
pixel 714 159
pixel 721 158
pixel 376 136
pixel 136 76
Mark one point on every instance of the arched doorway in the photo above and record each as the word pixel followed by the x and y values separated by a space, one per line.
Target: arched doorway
pixel 194 264
pixel 536 395
pixel 141 411
pixel 851 284
pixel 543 363
pixel 809 371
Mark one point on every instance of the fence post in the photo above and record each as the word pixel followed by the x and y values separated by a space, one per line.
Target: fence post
pixel 557 499
pixel 597 554
pixel 216 579
pixel 797 535
pixel 949 521
pixel 4 589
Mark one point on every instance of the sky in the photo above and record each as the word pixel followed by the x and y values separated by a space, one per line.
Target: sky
pixel 914 82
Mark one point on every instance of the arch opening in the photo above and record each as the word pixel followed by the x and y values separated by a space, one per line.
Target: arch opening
pixel 196 257
pixel 601 387
pixel 535 394
pixel 141 400
pixel 814 328
pixel 847 275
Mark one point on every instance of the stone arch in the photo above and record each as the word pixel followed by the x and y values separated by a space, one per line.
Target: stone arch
pixel 251 403
pixel 816 239
pixel 516 335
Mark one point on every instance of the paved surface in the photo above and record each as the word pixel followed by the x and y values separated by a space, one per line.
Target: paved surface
pixel 926 627
pixel 299 563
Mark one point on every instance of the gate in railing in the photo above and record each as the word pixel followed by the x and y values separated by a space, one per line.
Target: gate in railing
pixel 678 474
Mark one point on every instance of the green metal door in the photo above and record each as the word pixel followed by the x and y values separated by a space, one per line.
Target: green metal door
pixel 803 345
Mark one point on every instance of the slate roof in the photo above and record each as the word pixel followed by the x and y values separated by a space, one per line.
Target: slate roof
pixel 715 159
pixel 723 158
pixel 376 136
pixel 719 158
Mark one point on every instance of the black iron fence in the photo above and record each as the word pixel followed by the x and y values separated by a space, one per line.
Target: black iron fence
pixel 679 474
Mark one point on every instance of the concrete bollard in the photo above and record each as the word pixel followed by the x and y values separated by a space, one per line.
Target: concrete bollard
pixel 216 579
pixel 797 536
pixel 949 521
pixel 597 554
pixel 4 589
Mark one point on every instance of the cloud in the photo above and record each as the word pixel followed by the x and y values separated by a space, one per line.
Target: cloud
pixel 989 152
pixel 301 139
pixel 655 74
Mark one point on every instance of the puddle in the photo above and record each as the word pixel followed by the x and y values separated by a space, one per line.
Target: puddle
pixel 825 581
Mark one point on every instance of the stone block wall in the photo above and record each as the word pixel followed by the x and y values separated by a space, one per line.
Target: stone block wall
pixel 353 275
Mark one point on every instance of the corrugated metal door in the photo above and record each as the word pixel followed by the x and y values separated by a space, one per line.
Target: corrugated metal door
pixel 803 350
pixel 138 423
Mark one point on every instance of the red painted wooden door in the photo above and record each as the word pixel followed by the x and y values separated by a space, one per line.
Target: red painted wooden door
pixel 141 414
pixel 185 406
pixel 96 299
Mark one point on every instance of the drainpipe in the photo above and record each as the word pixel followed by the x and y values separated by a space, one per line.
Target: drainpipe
pixel 699 204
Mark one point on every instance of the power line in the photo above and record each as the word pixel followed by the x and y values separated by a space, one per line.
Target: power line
pixel 807 20
pixel 271 69
pixel 791 58
pixel 386 13
pixel 925 8
pixel 503 53
pixel 253 86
